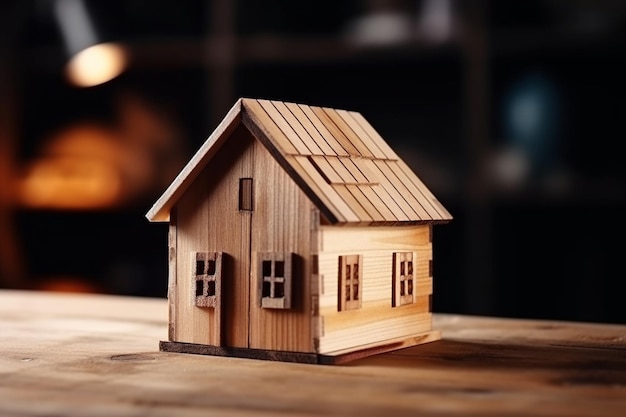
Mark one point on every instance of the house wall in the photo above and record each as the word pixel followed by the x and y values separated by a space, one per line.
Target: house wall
pixel 282 221
pixel 376 320
pixel 208 219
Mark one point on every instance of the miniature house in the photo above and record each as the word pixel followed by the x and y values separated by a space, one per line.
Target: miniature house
pixel 296 233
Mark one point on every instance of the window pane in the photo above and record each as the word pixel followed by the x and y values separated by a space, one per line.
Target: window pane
pixel 199 267
pixel 211 288
pixel 199 287
pixel 211 267
pixel 279 269
pixel 279 290
pixel 274 279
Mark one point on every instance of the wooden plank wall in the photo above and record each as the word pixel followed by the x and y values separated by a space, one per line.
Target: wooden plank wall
pixel 377 320
pixel 281 222
pixel 208 219
pixel 172 276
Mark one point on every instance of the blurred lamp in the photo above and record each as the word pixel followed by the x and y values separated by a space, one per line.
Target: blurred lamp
pixel 436 20
pixel 92 61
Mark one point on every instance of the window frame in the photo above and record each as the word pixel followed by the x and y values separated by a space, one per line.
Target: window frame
pixel 211 272
pixel 346 298
pixel 270 300
pixel 404 278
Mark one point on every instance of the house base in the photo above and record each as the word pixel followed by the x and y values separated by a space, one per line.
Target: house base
pixel 332 358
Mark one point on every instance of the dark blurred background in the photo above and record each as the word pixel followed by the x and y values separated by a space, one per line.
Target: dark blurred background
pixel 512 112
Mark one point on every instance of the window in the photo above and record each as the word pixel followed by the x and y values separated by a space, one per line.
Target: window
pixel 207 278
pixel 350 283
pixel 275 278
pixel 245 194
pixel 403 279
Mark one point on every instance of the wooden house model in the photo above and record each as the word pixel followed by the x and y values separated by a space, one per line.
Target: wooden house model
pixel 296 233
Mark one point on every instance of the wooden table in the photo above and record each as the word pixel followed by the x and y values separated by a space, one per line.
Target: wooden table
pixel 97 355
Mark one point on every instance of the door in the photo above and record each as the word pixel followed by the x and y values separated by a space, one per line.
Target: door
pixel 233 219
pixel 212 221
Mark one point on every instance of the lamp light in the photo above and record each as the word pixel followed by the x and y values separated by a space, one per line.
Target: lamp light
pixel 92 60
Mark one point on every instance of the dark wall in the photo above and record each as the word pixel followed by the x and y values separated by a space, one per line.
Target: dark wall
pixel 512 115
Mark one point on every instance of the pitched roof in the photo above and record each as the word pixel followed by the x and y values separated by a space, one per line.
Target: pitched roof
pixel 338 159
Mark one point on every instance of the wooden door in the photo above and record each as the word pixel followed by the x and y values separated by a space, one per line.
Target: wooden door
pixel 234 219
pixel 280 240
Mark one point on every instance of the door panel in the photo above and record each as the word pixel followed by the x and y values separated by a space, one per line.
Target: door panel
pixel 281 225
pixel 235 224
pixel 229 232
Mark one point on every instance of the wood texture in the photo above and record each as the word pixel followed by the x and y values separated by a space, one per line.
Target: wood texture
pixel 96 355
pixel 376 319
pixel 335 142
pixel 192 324
pixel 373 147
pixel 335 131
pixel 354 139
pixel 172 272
pixel 384 192
pixel 209 220
pixel 337 358
pixel 251 189
pixel 266 355
pixel 324 131
pixel 280 223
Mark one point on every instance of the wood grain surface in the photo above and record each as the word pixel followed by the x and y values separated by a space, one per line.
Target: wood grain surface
pixel 97 355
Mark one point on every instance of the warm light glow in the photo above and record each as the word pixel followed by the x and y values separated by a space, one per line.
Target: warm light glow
pixel 69 183
pixel 77 169
pixel 97 64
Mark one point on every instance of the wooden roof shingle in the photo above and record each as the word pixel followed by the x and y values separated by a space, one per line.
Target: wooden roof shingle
pixel 338 159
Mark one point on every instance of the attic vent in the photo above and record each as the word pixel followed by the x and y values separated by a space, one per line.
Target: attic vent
pixel 245 194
